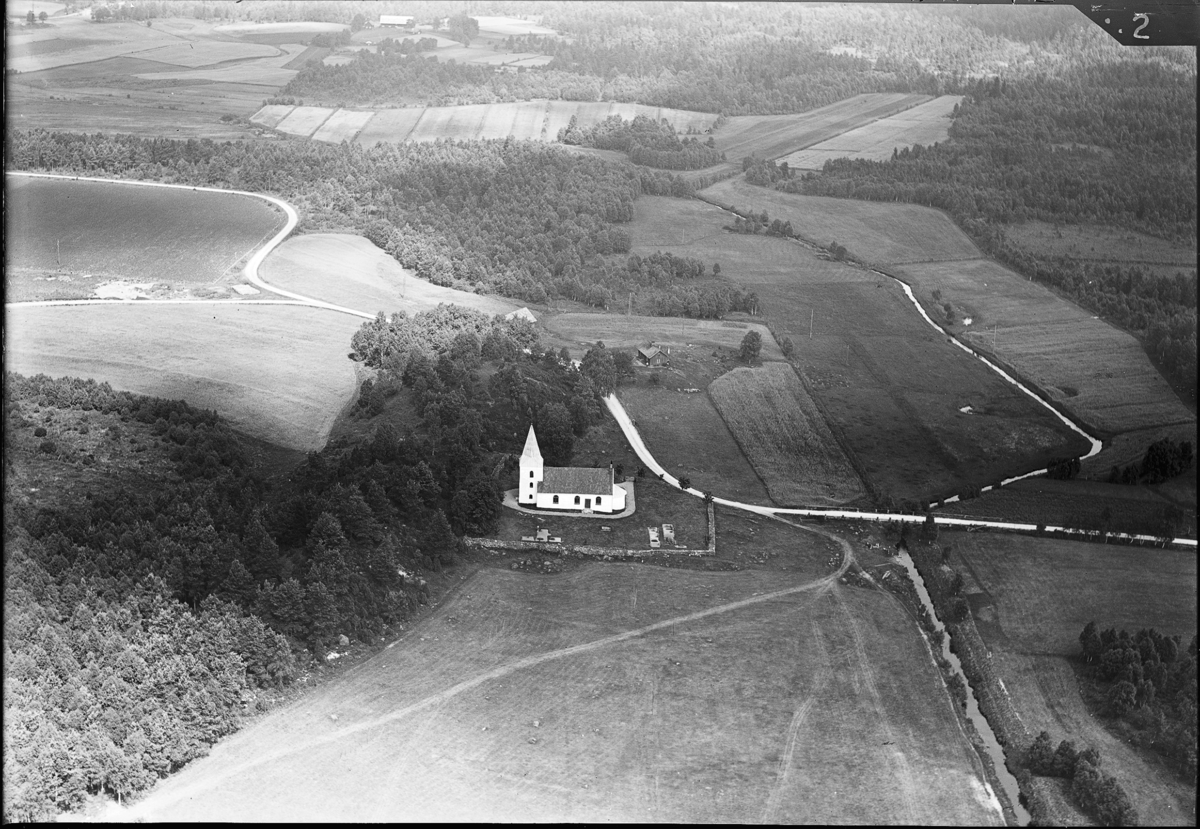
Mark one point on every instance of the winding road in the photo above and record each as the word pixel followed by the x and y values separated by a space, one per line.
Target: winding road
pixel 614 405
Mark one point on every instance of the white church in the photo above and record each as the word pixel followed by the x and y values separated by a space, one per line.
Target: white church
pixel 565 488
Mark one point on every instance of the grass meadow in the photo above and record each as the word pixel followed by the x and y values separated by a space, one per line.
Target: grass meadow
pixel 88 230
pixel 343 125
pixel 614 692
pixel 635 331
pixel 278 373
pixel 925 124
pixel 350 271
pixel 1033 596
pixel 785 437
pixel 1100 244
pixel 889 387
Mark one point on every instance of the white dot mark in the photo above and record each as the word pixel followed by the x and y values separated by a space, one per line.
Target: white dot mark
pixel 1106 20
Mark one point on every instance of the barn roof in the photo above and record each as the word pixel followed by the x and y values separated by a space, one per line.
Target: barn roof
pixel 647 353
pixel 566 480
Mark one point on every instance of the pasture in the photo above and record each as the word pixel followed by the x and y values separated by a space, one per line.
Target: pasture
pixel 1032 598
pixel 924 124
pixel 782 432
pixel 1091 368
pixel 876 233
pixel 304 120
pixel 278 373
pixel 614 692
pixel 888 385
pixel 92 230
pixel 343 125
pixel 1097 243
pixel 772 136
pixel 350 271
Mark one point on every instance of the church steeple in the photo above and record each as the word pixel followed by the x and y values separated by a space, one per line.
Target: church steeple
pixel 532 470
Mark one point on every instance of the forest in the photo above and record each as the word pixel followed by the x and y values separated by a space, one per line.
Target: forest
pixel 1105 143
pixel 144 618
pixel 647 142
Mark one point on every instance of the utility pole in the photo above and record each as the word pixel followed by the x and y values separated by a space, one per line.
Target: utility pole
pixel 811 315
pixel 58 251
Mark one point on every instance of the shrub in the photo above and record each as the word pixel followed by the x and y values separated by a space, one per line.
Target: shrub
pixel 48 447
pixel 39 432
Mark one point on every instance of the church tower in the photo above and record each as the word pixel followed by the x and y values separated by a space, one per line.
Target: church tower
pixel 531 471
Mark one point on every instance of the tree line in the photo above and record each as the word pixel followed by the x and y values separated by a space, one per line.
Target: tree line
pixel 646 141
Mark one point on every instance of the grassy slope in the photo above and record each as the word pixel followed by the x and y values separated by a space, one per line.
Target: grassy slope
pixel 350 271
pixel 775 710
pixel 1037 596
pixel 884 379
pixel 278 373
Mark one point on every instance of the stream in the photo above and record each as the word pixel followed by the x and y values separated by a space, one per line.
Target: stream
pixel 990 743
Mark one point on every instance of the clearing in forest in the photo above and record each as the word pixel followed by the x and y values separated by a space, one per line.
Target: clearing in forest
pixel 1033 596
pixel 615 692
pixel 278 373
pixel 785 437
pixel 888 385
pixel 350 271
pixel 925 124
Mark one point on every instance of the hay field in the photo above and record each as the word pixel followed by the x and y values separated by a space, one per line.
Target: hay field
pixel 389 125
pixel 925 124
pixel 631 332
pixel 247 28
pixel 89 43
pixel 1097 243
pixel 888 385
pixel 505 26
pixel 270 115
pixel 553 699
pixel 194 54
pixel 772 136
pixel 881 234
pixel 113 230
pixel 1090 367
pixel 343 125
pixel 278 373
pixel 304 120
pixel 1037 595
pixel 350 271
pixel 451 122
pixel 785 437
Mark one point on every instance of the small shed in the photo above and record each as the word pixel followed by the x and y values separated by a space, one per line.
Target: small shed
pixel 521 313
pixel 652 355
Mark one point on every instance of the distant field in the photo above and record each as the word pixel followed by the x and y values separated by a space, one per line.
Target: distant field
pixel 307 27
pixel 452 122
pixel 389 125
pixel 348 270
pixel 304 120
pixel 1098 243
pixel 505 26
pixel 1037 596
pixel 925 124
pixel 271 115
pixel 772 136
pixel 1091 368
pixel 621 331
pixel 343 125
pixel 114 230
pixel 278 373
pixel 547 698
pixel 872 232
pixel 193 55
pixel 785 437
pixel 884 380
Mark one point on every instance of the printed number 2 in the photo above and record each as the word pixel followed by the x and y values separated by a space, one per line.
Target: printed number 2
pixel 1145 22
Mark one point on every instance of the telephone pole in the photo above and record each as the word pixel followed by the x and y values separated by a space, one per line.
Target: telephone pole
pixel 811 315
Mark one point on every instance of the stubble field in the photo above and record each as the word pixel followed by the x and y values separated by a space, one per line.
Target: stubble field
pixel 888 385
pixel 87 231
pixel 925 124
pixel 783 434
pixel 350 271
pixel 614 692
pixel 1033 598
pixel 278 373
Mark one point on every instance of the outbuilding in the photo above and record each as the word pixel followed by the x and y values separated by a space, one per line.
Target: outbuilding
pixel 652 355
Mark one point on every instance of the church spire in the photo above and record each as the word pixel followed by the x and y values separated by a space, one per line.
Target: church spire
pixel 531 451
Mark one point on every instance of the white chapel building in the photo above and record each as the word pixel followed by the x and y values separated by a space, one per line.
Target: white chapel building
pixel 565 488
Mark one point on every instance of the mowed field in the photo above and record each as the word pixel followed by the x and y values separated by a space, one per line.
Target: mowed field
pixel 279 373
pixel 785 436
pixel 532 120
pixel 1090 368
pixel 104 230
pixel 1096 243
pixel 888 385
pixel 350 271
pixel 1032 598
pixel 925 124
pixel 614 692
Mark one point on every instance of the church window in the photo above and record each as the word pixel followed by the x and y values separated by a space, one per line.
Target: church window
pixel 576 500
pixel 597 500
pixel 556 499
pixel 531 473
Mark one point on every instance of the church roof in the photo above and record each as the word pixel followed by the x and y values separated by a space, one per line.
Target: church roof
pixel 567 480
pixel 531 450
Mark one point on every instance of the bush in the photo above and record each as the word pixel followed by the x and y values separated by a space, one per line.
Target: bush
pixel 39 432
pixel 48 447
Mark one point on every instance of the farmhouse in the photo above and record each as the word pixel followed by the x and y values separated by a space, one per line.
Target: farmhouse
pixel 652 355
pixel 397 20
pixel 563 488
